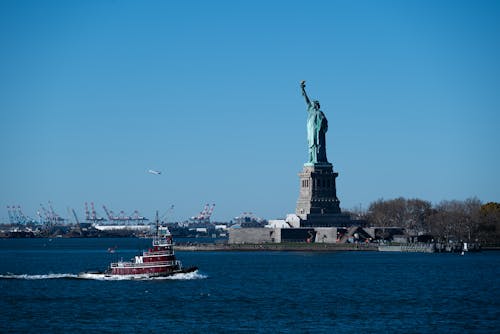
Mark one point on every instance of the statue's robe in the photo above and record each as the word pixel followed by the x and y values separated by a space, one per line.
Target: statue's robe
pixel 317 125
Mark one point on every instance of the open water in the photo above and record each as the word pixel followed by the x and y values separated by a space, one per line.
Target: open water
pixel 247 292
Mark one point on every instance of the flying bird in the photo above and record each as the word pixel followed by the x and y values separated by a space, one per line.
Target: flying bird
pixel 151 171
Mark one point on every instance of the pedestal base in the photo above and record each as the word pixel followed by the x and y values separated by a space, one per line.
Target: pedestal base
pixel 318 193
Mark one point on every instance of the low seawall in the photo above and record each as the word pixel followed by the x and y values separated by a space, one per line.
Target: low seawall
pixel 292 247
pixel 408 248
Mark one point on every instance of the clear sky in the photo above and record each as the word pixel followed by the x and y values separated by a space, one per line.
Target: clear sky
pixel 95 93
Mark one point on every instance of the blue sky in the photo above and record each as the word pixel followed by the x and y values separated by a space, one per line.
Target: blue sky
pixel 95 93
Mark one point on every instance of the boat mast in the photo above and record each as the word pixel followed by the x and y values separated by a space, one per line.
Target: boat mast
pixel 157 224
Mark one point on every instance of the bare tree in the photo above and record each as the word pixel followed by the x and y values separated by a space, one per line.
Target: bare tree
pixel 400 212
pixel 456 220
pixel 489 223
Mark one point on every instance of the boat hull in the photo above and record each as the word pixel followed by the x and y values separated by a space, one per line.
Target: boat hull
pixel 108 275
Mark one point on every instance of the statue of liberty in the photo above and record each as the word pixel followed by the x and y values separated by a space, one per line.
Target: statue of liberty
pixel 317 125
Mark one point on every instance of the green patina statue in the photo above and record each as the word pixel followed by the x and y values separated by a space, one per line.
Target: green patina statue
pixel 317 125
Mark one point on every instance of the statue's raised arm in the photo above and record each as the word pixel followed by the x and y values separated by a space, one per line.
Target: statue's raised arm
pixel 303 86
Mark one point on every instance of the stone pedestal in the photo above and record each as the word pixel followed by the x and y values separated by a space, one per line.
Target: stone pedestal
pixel 318 205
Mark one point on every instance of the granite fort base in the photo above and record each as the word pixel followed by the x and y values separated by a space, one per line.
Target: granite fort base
pixel 318 205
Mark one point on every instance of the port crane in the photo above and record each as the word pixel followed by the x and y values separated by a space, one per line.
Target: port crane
pixel 115 218
pixel 137 217
pixel 110 214
pixel 16 215
pixel 51 217
pixel 47 218
pixel 55 217
pixel 164 217
pixel 11 215
pixel 91 216
pixel 204 215
pixel 76 217
pixel 122 217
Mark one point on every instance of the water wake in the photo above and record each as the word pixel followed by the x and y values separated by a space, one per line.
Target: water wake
pixel 102 277
pixel 36 277
pixel 187 276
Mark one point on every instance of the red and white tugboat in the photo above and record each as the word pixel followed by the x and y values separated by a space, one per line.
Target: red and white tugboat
pixel 158 261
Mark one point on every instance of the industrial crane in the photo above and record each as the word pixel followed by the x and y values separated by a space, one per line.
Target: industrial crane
pixel 204 216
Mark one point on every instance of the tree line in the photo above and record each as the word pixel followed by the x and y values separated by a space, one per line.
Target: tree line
pixel 467 220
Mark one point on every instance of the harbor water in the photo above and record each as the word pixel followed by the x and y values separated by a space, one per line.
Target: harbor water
pixel 246 292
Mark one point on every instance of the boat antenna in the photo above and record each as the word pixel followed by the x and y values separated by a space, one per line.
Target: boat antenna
pixel 157 224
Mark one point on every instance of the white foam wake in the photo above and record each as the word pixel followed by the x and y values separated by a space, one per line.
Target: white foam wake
pixel 187 276
pixel 35 277
pixel 103 277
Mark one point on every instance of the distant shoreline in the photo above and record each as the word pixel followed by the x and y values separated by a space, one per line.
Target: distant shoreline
pixel 222 245
pixel 288 247
pixel 316 247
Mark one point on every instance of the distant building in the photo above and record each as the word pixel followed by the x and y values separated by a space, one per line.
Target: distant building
pixel 277 223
